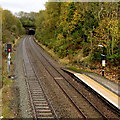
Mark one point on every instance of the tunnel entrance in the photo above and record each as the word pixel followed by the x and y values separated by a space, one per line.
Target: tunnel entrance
pixel 30 29
pixel 31 32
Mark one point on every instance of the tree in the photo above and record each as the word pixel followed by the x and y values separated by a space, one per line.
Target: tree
pixel 11 26
pixel 27 19
pixel 69 27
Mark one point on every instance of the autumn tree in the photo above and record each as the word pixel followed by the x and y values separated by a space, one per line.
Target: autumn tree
pixel 27 19
pixel 70 27
pixel 11 26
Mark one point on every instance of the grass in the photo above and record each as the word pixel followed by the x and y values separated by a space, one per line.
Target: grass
pixel 7 97
pixel 64 61
pixel 6 81
pixel 7 93
pixel 77 69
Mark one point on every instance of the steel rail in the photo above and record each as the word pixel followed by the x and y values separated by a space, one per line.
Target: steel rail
pixel 102 114
pixel 45 95
pixel 77 108
pixel 28 87
pixel 65 92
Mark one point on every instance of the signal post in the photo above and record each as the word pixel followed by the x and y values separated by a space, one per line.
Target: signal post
pixel 8 50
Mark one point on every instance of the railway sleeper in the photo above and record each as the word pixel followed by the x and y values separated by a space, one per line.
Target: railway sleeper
pixel 48 117
pixel 45 114
pixel 35 92
pixel 39 99
pixel 44 110
pixel 41 104
pixel 36 101
pixel 41 107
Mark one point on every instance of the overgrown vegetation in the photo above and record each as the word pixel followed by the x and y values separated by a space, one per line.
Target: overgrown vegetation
pixel 27 19
pixel 11 27
pixel 71 28
pixel 9 95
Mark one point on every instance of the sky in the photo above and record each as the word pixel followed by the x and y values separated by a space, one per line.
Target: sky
pixel 30 5
pixel 23 5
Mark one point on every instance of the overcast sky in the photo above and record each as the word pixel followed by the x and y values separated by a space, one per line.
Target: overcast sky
pixel 23 5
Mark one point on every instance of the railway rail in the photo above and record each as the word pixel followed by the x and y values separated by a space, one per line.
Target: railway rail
pixel 58 77
pixel 67 78
pixel 70 88
pixel 41 106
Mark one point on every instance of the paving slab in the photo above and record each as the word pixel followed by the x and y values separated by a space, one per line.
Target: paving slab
pixel 106 88
pixel 114 87
pixel 105 82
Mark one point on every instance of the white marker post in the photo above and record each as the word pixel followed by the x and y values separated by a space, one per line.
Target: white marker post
pixel 8 63
pixel 9 50
pixel 103 59
pixel 103 63
pixel 103 66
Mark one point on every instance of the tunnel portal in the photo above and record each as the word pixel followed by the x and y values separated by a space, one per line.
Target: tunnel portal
pixel 31 31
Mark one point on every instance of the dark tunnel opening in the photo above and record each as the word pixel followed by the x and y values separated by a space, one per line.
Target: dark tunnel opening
pixel 31 32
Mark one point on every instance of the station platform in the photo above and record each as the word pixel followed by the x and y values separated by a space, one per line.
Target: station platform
pixel 104 87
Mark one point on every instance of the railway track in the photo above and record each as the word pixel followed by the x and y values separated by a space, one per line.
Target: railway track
pixel 73 103
pixel 58 76
pixel 40 104
pixel 106 105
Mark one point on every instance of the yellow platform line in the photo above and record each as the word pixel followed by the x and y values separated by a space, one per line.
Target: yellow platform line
pixel 113 94
pixel 107 94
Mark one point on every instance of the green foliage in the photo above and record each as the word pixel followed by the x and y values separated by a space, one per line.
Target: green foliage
pixel 11 26
pixel 72 68
pixel 27 19
pixel 68 27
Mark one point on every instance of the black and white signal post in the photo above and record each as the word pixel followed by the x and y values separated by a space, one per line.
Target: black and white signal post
pixel 9 50
pixel 103 59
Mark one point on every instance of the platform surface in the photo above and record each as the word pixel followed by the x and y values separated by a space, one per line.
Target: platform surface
pixel 106 88
pixel 105 82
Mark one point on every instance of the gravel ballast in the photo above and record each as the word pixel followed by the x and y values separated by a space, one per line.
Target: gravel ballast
pixel 20 84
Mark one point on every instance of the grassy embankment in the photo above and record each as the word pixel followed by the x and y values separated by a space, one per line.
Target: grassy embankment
pixel 70 63
pixel 9 109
